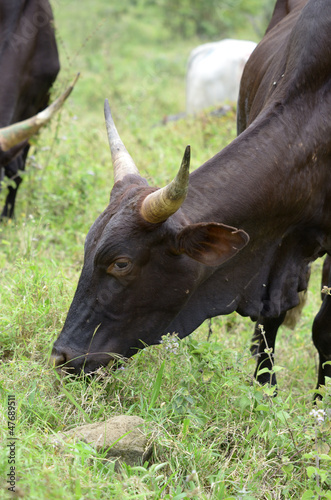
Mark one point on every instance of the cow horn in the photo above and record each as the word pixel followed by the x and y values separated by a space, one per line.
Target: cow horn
pixel 122 161
pixel 160 204
pixel 21 131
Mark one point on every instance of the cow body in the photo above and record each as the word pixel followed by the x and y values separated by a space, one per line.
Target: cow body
pixel 254 217
pixel 214 71
pixel 29 64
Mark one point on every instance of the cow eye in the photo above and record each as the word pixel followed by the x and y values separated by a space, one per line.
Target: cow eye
pixel 120 266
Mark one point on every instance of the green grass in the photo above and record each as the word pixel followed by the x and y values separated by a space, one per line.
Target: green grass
pixel 219 434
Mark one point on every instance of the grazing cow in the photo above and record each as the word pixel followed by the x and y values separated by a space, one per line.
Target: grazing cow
pixel 213 73
pixel 29 64
pixel 237 234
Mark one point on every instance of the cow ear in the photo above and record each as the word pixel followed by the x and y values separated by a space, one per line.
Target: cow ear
pixel 211 243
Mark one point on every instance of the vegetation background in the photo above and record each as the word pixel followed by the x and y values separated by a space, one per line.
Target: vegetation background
pixel 220 435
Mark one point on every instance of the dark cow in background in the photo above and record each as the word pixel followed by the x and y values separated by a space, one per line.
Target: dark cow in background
pixel 237 234
pixel 29 64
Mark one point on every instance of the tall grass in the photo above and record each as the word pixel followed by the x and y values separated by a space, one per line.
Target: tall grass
pixel 219 434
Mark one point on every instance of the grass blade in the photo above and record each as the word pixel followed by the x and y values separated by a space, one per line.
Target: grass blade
pixel 157 386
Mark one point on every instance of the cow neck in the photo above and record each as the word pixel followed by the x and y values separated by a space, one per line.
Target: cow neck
pixel 249 186
pixel 258 178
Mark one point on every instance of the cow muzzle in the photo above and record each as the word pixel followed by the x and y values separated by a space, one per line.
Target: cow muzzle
pixel 67 362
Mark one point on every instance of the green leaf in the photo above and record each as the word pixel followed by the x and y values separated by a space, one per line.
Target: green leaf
pixel 157 467
pixel 78 489
pixel 262 371
pixel 244 402
pixel 262 408
pixel 157 386
pixel 252 432
pixel 269 390
pixel 32 394
pixel 323 474
pixel 323 449
pixel 186 424
pixel 288 468
pixel 308 495
pixel 282 416
pixel 312 471
pixel 277 368
pixel 206 376
pixel 181 495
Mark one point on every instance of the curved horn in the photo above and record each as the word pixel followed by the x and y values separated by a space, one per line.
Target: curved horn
pixel 21 131
pixel 122 161
pixel 160 204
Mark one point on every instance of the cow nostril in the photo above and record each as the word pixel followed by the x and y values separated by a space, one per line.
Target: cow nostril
pixel 57 360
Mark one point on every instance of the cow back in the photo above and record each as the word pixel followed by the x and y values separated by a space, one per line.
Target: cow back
pixel 29 61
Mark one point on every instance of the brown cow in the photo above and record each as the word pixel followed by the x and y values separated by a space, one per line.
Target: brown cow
pixel 29 64
pixel 239 233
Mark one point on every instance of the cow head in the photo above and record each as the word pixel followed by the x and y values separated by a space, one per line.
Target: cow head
pixel 144 258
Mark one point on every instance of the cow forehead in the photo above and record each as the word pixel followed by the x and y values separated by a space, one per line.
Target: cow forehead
pixel 121 228
pixel 124 198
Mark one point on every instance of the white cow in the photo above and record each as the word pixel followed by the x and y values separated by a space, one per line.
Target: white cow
pixel 214 71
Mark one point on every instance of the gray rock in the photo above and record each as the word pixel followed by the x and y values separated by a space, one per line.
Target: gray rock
pixel 124 437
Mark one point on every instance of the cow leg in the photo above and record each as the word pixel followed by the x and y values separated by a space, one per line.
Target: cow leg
pixel 326 270
pixel 261 342
pixel 8 209
pixel 11 171
pixel 2 175
pixel 322 331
